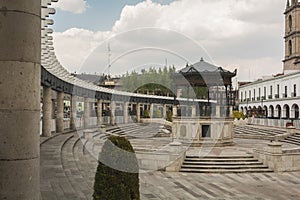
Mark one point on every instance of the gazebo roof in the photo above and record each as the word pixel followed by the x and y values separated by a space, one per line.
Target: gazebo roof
pixel 201 67
pixel 202 74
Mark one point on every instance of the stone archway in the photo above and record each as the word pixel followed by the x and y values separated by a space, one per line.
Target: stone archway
pixel 286 111
pixel 278 111
pixel 295 111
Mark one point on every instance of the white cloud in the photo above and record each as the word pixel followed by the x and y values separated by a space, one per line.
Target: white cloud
pixel 74 6
pixel 74 45
pixel 235 33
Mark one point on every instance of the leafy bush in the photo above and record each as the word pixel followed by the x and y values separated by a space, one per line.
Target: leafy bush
pixel 146 114
pixel 157 114
pixel 169 116
pixel 110 183
pixel 238 115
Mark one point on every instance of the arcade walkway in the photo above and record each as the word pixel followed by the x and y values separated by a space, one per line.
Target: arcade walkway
pixel 67 172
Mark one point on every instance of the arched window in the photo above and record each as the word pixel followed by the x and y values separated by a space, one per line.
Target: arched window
pixel 290 48
pixel 290 23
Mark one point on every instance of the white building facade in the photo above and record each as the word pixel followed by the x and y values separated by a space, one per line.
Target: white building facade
pixel 273 98
pixel 275 101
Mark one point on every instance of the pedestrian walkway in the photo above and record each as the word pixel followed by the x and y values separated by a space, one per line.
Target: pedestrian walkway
pixel 68 169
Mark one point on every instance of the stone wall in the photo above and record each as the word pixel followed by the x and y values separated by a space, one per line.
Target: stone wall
pixel 277 159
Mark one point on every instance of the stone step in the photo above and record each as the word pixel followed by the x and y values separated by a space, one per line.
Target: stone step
pixel 219 156
pixel 290 141
pixel 221 160
pixel 222 163
pixel 261 166
pixel 296 137
pixel 226 171
pixel 259 130
pixel 71 170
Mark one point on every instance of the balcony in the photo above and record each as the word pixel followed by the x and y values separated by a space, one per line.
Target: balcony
pixel 253 99
pixel 284 95
pixel 276 96
pixel 293 94
pixel 270 96
pixel 263 98
pixel 257 98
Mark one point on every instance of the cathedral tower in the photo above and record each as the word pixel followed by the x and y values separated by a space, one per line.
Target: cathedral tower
pixel 292 36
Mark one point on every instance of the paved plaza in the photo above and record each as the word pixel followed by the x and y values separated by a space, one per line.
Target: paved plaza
pixel 67 172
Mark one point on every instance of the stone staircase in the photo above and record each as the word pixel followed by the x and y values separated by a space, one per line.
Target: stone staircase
pixel 256 131
pixel 223 164
pixel 295 139
pixel 136 130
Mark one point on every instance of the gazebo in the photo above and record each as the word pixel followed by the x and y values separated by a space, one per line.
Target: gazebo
pixel 211 77
pixel 207 124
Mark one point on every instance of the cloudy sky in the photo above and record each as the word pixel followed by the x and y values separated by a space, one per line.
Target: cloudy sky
pixel 237 34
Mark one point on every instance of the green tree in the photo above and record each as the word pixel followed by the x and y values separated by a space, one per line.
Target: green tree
pixel 110 183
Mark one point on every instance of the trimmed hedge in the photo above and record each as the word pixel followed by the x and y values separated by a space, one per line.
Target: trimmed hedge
pixel 238 115
pixel 110 183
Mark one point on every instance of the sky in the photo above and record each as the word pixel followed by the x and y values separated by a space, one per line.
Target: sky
pixel 246 35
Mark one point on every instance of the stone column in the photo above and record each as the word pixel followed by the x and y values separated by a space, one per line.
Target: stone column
pixel 230 111
pixel 99 112
pixel 60 112
pixel 73 112
pixel 218 111
pixel 174 110
pixel 138 112
pixel 151 110
pixel 86 112
pixel 274 155
pixel 125 110
pixel 112 113
pixel 47 112
pixel 20 61
pixel 193 111
pixel 164 114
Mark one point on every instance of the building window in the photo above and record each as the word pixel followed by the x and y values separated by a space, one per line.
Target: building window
pixel 295 92
pixel 250 95
pixel 242 96
pixel 254 94
pixel 290 23
pixel 285 91
pixel 290 48
pixel 265 92
pixel 277 94
pixel 271 92
pixel 259 92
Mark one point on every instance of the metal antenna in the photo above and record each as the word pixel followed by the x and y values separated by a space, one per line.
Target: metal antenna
pixel 109 58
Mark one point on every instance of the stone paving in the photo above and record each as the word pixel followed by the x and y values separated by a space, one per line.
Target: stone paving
pixel 67 172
